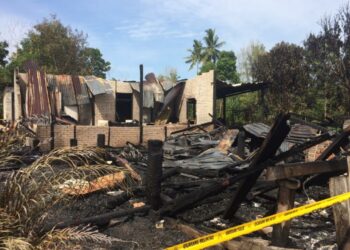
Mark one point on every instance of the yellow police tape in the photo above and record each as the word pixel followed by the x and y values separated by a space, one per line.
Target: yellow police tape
pixel 233 232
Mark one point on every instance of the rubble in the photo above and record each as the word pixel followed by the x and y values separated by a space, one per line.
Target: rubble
pixel 202 179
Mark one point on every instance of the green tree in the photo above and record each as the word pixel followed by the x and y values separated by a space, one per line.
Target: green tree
pixel 212 46
pixel 328 57
pixel 285 68
pixel 247 59
pixel 59 50
pixel 5 68
pixel 94 63
pixel 3 53
pixel 226 67
pixel 196 56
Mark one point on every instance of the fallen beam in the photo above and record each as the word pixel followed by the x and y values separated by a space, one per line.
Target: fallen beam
pixel 98 220
pixel 291 170
pixel 268 149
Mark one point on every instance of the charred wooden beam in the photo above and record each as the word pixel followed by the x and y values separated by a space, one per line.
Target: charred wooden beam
pixel 291 170
pixel 98 220
pixel 192 127
pixel 268 149
pixel 339 141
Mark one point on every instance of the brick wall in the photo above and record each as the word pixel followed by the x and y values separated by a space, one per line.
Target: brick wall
pixel 63 134
pixel 87 135
pixel 201 89
pixel 120 135
pixel 44 134
pixel 105 107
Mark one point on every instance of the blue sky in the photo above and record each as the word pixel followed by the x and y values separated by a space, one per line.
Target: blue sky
pixel 158 33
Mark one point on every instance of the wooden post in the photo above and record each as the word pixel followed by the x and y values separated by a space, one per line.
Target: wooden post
pixel 286 197
pixel 341 211
pixel 154 173
pixel 224 109
pixel 141 104
pixel 240 144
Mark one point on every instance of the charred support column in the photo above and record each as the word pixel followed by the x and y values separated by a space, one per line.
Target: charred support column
pixel 154 173
pixel 224 109
pixel 286 197
pixel 240 144
pixel 141 104
pixel 52 132
pixel 74 141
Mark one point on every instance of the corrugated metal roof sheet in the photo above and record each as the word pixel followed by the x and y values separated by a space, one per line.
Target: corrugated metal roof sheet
pixel 64 84
pixel 257 129
pixel 37 98
pixel 98 86
pixel 298 134
pixel 123 87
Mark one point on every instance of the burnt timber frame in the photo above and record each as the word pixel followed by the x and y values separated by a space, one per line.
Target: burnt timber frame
pixel 268 149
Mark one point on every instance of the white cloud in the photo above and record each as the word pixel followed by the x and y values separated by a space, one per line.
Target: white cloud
pixel 148 28
pixel 240 21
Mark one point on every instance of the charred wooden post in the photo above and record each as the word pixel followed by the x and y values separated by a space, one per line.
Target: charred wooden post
pixel 154 173
pixel 286 197
pixel 101 140
pixel 74 141
pixel 141 104
pixel 339 185
pixel 240 144
pixel 272 142
pixel 52 132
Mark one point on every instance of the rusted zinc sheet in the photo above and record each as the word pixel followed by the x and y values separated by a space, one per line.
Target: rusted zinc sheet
pixel 73 89
pixel 37 98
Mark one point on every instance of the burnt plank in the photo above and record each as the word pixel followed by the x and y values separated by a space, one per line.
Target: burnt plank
pixel 272 142
pixel 338 142
pixel 291 170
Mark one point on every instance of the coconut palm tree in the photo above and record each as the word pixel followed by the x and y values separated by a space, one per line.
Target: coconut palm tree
pixel 211 50
pixel 196 56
